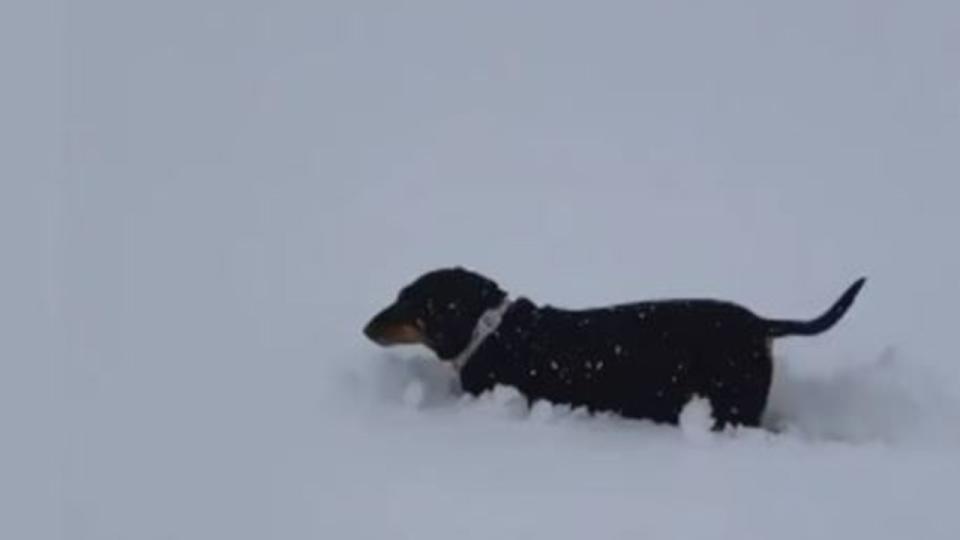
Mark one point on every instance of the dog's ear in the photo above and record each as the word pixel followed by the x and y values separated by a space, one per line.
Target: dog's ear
pixel 487 288
pixel 491 294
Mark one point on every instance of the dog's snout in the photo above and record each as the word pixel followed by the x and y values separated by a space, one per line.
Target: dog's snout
pixel 389 327
pixel 371 330
pixel 376 328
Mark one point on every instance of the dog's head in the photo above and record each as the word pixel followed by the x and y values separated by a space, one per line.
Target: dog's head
pixel 440 310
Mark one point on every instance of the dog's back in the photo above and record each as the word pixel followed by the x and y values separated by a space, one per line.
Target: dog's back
pixel 642 360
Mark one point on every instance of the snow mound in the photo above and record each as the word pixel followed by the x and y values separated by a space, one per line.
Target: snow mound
pixel 696 420
pixel 885 402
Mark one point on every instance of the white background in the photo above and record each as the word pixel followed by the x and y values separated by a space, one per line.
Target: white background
pixel 237 186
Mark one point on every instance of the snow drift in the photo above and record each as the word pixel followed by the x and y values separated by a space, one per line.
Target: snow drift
pixel 244 185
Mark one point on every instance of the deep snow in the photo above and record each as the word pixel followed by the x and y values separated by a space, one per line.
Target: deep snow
pixel 245 183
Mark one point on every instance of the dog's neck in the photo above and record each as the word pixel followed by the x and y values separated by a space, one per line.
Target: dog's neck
pixel 486 325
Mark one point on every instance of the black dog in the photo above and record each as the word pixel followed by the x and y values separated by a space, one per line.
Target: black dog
pixel 641 360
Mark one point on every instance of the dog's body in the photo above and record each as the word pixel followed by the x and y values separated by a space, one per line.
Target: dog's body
pixel 641 360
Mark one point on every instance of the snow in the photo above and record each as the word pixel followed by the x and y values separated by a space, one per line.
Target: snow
pixel 696 420
pixel 238 187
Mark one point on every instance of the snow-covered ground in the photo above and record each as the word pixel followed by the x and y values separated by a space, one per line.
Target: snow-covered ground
pixel 245 183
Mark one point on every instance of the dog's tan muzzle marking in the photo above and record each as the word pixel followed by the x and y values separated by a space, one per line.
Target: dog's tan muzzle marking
pixel 393 326
pixel 393 334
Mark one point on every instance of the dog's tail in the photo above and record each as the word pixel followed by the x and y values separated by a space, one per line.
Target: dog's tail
pixel 820 324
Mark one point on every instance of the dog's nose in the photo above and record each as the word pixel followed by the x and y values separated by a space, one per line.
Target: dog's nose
pixel 372 330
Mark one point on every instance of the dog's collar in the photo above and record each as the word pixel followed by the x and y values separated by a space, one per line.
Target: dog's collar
pixel 486 325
